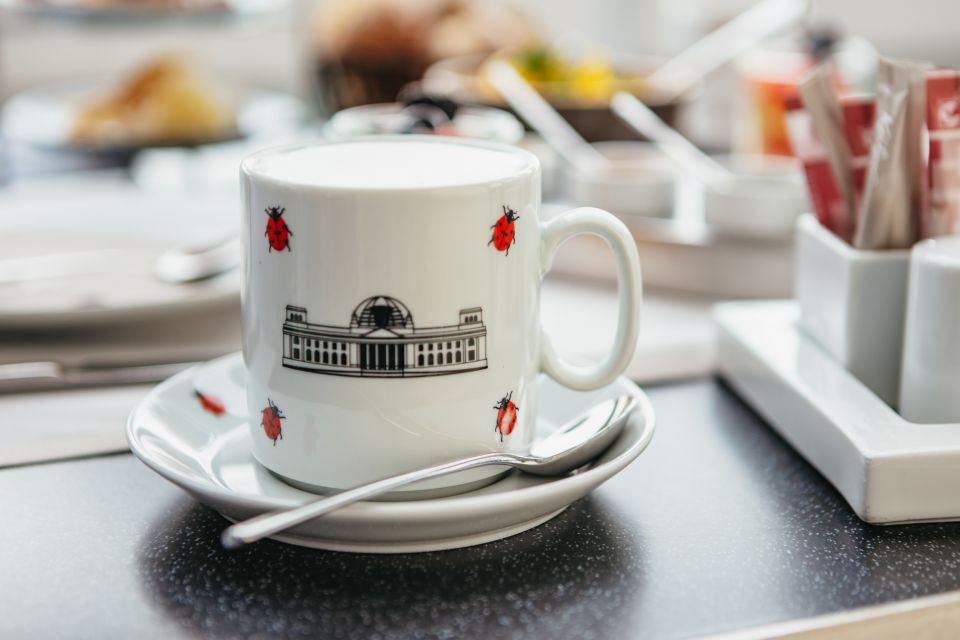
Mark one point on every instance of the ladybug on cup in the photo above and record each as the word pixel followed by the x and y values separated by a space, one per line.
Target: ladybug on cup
pixel 506 415
pixel 270 418
pixel 505 231
pixel 278 233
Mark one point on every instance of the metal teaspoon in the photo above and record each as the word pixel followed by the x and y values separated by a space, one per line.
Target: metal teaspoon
pixel 571 446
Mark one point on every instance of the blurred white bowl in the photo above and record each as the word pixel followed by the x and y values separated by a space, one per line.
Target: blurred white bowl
pixel 549 163
pixel 763 201
pixel 483 123
pixel 640 180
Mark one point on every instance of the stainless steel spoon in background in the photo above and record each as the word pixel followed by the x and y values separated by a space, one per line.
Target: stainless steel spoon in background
pixel 191 264
pixel 648 124
pixel 179 265
pixel 571 446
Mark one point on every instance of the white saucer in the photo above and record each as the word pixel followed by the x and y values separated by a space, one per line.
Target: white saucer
pixel 207 455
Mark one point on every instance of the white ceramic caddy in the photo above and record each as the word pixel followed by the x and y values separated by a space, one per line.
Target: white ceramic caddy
pixel 888 469
pixel 853 303
pixel 200 444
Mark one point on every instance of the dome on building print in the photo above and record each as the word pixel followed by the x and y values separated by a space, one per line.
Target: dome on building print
pixel 380 312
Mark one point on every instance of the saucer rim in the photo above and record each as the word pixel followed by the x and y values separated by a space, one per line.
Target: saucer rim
pixel 425 545
pixel 384 510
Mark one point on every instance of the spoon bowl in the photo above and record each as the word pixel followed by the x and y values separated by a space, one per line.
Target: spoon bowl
pixel 580 440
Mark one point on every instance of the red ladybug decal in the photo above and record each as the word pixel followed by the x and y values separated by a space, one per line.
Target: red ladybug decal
pixel 505 232
pixel 278 233
pixel 209 403
pixel 270 421
pixel 506 416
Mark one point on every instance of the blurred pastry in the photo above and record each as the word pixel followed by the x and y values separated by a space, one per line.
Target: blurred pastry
pixel 368 50
pixel 162 102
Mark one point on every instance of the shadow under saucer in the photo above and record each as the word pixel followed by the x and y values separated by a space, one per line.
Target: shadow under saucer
pixel 572 576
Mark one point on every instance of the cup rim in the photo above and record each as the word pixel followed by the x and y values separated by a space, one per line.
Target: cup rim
pixel 531 165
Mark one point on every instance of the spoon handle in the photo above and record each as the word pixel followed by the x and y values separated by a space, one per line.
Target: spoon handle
pixel 671 142
pixel 544 119
pixel 740 34
pixel 267 524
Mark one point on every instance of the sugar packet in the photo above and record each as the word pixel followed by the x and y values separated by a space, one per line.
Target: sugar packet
pixel 858 115
pixel 889 212
pixel 820 100
pixel 942 212
pixel 828 203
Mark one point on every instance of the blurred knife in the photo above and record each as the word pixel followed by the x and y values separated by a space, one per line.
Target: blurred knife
pixel 765 18
pixel 48 376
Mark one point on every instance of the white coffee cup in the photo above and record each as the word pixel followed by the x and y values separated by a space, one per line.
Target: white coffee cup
pixel 391 306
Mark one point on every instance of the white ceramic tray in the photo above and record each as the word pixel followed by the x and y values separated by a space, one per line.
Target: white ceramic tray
pixel 888 469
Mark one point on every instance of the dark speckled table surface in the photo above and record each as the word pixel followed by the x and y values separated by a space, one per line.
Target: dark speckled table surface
pixel 718 526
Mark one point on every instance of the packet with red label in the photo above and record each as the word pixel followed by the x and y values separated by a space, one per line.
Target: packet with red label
pixel 858 115
pixel 828 202
pixel 818 91
pixel 942 212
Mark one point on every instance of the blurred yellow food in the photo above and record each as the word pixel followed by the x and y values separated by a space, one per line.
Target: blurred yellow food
pixel 162 101
pixel 589 79
pixel 593 79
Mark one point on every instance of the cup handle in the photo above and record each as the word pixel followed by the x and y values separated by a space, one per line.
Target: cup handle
pixel 597 222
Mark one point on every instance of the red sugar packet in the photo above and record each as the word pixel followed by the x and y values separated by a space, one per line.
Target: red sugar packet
pixel 858 116
pixel 942 212
pixel 828 203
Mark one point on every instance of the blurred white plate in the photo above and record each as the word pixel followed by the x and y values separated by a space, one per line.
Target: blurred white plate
pixel 482 123
pixel 43 116
pixel 76 254
pixel 126 11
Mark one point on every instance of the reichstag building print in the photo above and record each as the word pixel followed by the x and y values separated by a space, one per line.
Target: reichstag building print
pixel 382 341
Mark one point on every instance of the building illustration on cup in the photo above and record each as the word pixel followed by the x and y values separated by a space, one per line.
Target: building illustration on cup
pixel 382 341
